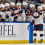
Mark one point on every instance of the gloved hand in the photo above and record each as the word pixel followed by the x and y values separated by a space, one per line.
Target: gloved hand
pixel 20 11
pixel 12 14
pixel 31 14
pixel 27 13
pixel 2 19
pixel 16 17
pixel 32 22
pixel 7 16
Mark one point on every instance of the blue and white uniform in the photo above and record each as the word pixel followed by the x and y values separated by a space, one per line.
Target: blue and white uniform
pixel 38 18
pixel 20 16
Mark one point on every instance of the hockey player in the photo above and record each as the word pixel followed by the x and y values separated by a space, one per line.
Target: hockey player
pixel 8 12
pixel 26 9
pixel 38 25
pixel 19 14
pixel 12 6
pixel 31 11
pixel 2 13
pixel 24 5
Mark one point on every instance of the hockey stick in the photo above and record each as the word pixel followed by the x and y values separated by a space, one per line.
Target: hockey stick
pixel 3 21
pixel 32 23
pixel 28 27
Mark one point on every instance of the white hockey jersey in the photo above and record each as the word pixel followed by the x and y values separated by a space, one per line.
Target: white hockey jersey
pixel 21 17
pixel 10 19
pixel 38 18
pixel 2 15
pixel 30 16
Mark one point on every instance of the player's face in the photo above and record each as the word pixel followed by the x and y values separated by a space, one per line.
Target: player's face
pixel 19 6
pixel 24 6
pixel 7 7
pixel 32 8
pixel 10 6
pixel 38 9
pixel 13 6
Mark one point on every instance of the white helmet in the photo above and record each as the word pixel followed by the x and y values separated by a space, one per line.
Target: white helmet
pixel 18 4
pixel 32 5
pixel 7 4
pixel 39 7
pixel 43 5
pixel 12 3
pixel 25 3
pixel 2 5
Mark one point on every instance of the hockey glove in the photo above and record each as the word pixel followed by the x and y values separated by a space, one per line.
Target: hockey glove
pixel 20 11
pixel 12 14
pixel 7 16
pixel 32 22
pixel 2 19
pixel 16 17
pixel 31 14
pixel 27 14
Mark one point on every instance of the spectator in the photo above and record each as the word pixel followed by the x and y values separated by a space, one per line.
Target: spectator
pixel 39 1
pixel 19 1
pixel 1 1
pixel 8 1
pixel 43 1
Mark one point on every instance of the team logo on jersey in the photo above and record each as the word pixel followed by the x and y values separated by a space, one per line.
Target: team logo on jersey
pixel 35 14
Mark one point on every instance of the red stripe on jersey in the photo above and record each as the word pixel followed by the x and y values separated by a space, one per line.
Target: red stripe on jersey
pixel 19 14
pixel 39 24
pixel 31 14
pixel 40 30
pixel 34 30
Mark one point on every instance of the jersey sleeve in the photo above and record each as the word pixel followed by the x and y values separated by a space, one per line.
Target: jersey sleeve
pixel 39 14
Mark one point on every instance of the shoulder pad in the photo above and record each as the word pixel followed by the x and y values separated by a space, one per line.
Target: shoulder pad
pixel 40 12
